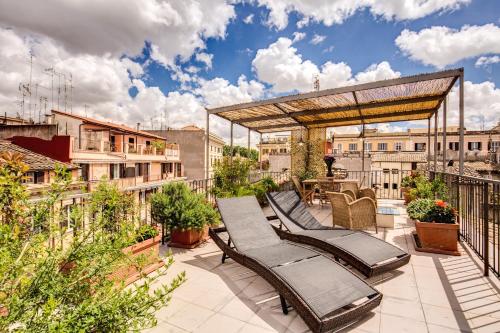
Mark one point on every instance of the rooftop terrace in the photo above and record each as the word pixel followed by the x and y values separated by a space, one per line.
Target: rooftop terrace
pixel 433 293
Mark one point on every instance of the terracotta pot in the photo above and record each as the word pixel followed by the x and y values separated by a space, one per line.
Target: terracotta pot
pixel 191 237
pixel 440 236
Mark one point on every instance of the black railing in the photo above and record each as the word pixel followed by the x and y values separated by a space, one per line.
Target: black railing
pixel 387 183
pixel 478 204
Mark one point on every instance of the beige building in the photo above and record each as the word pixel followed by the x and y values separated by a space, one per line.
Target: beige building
pixel 278 144
pixel 191 142
pixel 479 145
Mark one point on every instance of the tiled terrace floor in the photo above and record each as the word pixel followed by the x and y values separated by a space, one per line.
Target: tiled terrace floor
pixel 434 293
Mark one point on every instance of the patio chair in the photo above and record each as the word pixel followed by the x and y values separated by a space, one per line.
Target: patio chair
pixel 306 195
pixel 353 214
pixel 324 293
pixel 325 185
pixel 368 254
pixel 359 192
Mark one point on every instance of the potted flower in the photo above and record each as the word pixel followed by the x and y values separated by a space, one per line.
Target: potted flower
pixel 408 183
pixel 436 225
pixel 329 160
pixel 187 215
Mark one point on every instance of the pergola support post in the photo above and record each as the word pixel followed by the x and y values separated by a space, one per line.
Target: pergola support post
pixel 363 151
pixel 435 139
pixel 445 110
pixel 428 144
pixel 461 125
pixel 207 152
pixel 231 151
pixel 248 143
pixel 260 152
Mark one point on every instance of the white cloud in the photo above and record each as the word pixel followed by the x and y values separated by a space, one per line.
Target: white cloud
pixel 317 39
pixel 441 46
pixel 175 28
pixel 248 19
pixel 484 61
pixel 329 49
pixel 298 36
pixel 281 66
pixel 206 58
pixel 331 12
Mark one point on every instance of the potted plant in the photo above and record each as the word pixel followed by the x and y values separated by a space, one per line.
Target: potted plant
pixel 329 160
pixel 408 183
pixel 436 225
pixel 187 215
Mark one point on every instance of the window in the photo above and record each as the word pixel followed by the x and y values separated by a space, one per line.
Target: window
pixel 394 186
pixel 178 167
pixel 439 146
pixel 398 146
pixel 420 146
pixel 495 146
pixel 114 171
pixel 474 145
pixel 84 172
pixel 382 146
pixel 368 146
pixel 339 147
pixel 353 146
pixel 265 151
pixel 453 146
pixel 385 170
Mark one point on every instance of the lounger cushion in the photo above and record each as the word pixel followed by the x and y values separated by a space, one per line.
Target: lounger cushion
pixel 324 285
pixel 280 254
pixel 292 211
pixel 246 223
pixel 369 249
pixel 327 234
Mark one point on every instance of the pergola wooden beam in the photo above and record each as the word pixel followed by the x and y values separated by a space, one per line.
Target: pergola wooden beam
pixel 335 91
pixel 358 107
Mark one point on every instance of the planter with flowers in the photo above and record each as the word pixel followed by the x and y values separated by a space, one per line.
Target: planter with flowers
pixel 436 225
pixel 185 214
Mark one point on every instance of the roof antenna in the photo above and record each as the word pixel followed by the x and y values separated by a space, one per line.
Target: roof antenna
pixel 316 82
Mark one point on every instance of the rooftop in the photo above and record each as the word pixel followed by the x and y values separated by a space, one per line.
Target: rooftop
pixel 35 162
pixel 399 157
pixel 113 126
pixel 433 293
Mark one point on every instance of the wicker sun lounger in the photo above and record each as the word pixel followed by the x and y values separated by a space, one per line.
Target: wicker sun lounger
pixel 368 254
pixel 324 293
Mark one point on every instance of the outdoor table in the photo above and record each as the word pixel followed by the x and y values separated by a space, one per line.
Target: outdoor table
pixel 385 216
pixel 309 184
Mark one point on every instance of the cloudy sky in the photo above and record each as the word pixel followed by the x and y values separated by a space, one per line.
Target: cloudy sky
pixel 161 62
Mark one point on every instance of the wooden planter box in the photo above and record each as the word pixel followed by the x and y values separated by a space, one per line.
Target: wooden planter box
pixel 438 237
pixel 149 250
pixel 188 239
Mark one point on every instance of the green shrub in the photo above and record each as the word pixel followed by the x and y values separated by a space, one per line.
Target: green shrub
pixel 418 209
pixel 179 208
pixel 146 232
pixel 425 189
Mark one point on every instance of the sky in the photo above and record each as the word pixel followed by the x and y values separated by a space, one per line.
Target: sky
pixel 161 62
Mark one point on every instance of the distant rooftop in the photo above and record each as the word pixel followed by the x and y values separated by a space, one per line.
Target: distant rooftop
pixel 419 157
pixel 117 127
pixel 35 161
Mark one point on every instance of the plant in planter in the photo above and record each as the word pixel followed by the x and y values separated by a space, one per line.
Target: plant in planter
pixel 436 226
pixel 186 214
pixel 260 189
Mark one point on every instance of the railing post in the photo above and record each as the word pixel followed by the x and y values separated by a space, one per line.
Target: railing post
pixel 486 246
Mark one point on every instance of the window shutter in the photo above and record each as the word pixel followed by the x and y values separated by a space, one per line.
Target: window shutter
pixel 469 145
pixel 480 145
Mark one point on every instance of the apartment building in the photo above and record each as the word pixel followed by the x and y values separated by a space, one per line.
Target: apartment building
pixel 479 145
pixel 41 172
pixel 129 157
pixel 278 144
pixel 191 141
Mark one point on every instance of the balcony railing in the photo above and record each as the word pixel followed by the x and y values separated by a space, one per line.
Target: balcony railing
pixel 478 204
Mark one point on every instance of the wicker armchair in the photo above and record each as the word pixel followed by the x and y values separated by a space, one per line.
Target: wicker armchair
pixel 306 196
pixel 353 214
pixel 353 188
pixel 325 185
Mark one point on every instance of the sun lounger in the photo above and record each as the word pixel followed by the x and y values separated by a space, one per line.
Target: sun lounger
pixel 368 254
pixel 324 293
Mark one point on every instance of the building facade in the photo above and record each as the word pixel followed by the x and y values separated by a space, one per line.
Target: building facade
pixel 278 144
pixel 191 142
pixel 128 157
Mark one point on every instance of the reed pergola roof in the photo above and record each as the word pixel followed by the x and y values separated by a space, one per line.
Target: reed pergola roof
pixel 408 98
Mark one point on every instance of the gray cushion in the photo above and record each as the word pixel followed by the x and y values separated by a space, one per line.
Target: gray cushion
pixel 280 254
pixel 292 211
pixel 327 234
pixel 246 224
pixel 324 285
pixel 369 249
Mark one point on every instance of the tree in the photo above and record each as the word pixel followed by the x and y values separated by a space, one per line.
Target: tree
pixel 251 154
pixel 45 286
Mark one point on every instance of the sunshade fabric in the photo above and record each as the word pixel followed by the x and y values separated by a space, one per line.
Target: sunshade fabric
pixel 407 98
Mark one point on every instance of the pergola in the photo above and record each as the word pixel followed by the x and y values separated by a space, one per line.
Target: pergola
pixel 408 98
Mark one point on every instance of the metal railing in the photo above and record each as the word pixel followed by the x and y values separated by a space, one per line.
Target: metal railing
pixel 386 182
pixel 478 203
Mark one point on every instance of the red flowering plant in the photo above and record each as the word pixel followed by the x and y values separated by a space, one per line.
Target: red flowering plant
pixel 440 212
